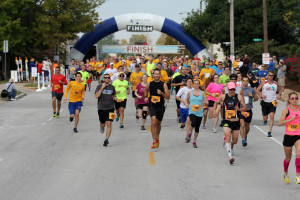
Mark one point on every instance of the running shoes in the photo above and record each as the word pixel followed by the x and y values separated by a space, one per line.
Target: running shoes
pixel 75 130
pixel 269 134
pixel 286 178
pixel 106 142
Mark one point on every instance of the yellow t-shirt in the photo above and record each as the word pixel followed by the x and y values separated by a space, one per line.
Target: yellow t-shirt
pixel 164 76
pixel 205 73
pixel 76 91
pixel 137 78
pixel 93 65
pixel 127 63
pixel 156 61
pixel 235 64
pixel 98 66
pixel 116 65
pixel 149 79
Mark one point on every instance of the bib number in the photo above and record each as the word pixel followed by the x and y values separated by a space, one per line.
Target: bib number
pixel 262 79
pixel 195 108
pixel 207 75
pixel 155 99
pixel 245 114
pixel 112 116
pixel 120 100
pixel 229 114
pixel 293 127
pixel 56 87
pixel 275 103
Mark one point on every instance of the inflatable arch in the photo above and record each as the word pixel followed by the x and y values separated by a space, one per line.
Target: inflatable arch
pixel 133 22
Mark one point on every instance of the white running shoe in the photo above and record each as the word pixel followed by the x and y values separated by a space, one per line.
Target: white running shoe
pixel 215 130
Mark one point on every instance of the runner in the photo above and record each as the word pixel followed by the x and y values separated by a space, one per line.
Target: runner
pixel 194 101
pixel 158 93
pixel 231 123
pixel 181 96
pixel 76 98
pixel 214 91
pixel 205 107
pixel 116 75
pixel 71 72
pixel 85 76
pixel 135 79
pixel 178 82
pixel 268 102
pixel 246 117
pixel 291 119
pixel 122 90
pixel 224 78
pixel 57 83
pixel 142 105
pixel 106 95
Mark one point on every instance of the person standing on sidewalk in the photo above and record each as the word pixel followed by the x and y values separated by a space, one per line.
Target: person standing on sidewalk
pixel 106 95
pixel 76 98
pixel 57 83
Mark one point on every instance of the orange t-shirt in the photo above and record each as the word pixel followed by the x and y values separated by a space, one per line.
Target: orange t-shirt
pixel 54 65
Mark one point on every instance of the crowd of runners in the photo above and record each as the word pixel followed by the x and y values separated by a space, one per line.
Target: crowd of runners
pixel 219 90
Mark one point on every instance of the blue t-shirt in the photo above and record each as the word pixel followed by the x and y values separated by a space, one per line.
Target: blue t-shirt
pixel 261 74
pixel 213 67
pixel 219 71
pixel 271 66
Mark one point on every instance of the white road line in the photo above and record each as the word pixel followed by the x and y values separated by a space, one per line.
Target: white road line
pixel 272 138
pixel 51 118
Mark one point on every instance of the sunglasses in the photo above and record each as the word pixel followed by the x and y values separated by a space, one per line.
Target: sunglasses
pixel 106 77
pixel 294 98
pixel 231 89
pixel 233 79
pixel 206 64
pixel 121 76
pixel 245 80
pixel 152 73
pixel 237 70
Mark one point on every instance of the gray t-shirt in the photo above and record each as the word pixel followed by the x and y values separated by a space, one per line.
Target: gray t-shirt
pixel 106 101
pixel 72 70
pixel 281 73
pixel 11 87
pixel 248 100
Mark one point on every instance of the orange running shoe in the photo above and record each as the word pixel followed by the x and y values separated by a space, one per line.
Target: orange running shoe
pixel 157 142
pixel 154 145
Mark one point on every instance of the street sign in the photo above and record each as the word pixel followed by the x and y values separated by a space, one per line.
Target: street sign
pixel 266 58
pixel 5 46
pixel 257 39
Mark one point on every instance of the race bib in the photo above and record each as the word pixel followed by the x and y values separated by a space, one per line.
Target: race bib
pixel 246 99
pixel 195 108
pixel 112 116
pixel 56 87
pixel 155 99
pixel 76 92
pixel 217 95
pixel 120 100
pixel 207 75
pixel 293 127
pixel 275 103
pixel 245 114
pixel 229 113
pixel 255 81
pixel 262 79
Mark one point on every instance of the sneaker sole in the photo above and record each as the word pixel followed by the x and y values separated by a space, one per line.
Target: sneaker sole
pixel 231 160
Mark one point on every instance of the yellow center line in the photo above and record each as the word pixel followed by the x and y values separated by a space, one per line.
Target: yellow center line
pixel 151 159
pixel 148 128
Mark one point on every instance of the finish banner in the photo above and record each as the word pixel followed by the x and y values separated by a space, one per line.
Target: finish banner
pixel 141 49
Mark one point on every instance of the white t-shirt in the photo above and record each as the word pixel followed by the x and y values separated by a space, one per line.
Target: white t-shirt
pixel 182 94
pixel 46 65
pixel 269 90
pixel 110 71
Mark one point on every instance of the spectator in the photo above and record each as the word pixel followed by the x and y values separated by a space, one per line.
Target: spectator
pixel 246 60
pixel 271 65
pixel 281 67
pixel 276 69
pixel 11 89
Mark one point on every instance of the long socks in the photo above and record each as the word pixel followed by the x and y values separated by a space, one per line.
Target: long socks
pixel 286 166
pixel 297 164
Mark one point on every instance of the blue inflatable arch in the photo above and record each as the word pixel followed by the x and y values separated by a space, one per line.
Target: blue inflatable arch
pixel 121 22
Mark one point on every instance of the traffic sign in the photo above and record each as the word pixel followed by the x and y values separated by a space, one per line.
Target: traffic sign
pixel 257 39
pixel 266 58
pixel 5 46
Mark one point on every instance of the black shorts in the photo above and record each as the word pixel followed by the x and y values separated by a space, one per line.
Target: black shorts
pixel 58 96
pixel 232 125
pixel 195 122
pixel 94 72
pixel 211 103
pixel 290 140
pixel 133 94
pixel 246 119
pixel 120 104
pixel 267 108
pixel 128 74
pixel 158 112
pixel 104 115
pixel 141 106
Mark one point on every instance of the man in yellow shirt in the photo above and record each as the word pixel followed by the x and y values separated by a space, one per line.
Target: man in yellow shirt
pixel 76 98
pixel 135 79
pixel 206 72
pixel 164 75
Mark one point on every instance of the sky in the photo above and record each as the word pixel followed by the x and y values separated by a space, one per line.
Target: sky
pixel 166 8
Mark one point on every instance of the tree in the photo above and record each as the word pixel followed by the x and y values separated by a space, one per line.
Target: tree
pixel 124 42
pixel 162 39
pixel 37 25
pixel 213 24
pixel 139 38
pixel 108 40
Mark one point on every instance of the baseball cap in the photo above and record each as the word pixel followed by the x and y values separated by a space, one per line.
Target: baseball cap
pixel 180 67
pixel 121 73
pixel 111 63
pixel 186 56
pixel 231 85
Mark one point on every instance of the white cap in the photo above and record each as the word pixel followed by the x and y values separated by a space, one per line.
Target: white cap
pixel 123 60
pixel 180 67
pixel 111 63
pixel 186 56
pixel 165 60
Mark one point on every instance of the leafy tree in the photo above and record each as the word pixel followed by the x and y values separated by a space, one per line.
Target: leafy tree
pixel 213 24
pixel 108 40
pixel 124 42
pixel 139 38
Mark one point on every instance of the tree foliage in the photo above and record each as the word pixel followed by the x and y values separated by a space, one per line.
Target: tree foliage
pixel 213 24
pixel 42 24
pixel 139 38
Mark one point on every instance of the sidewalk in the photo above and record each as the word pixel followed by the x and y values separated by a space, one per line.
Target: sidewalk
pixel 20 87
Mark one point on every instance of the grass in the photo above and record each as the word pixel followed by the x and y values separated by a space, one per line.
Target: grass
pixel 31 85
pixel 3 82
pixel 19 92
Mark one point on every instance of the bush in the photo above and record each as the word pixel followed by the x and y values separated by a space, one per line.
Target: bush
pixel 293 67
pixel 293 50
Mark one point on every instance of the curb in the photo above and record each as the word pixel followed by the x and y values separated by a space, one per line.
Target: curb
pixel 20 96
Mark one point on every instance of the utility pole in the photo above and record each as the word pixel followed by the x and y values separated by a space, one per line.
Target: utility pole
pixel 201 7
pixel 231 30
pixel 265 24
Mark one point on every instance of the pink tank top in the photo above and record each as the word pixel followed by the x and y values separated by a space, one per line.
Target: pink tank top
pixel 293 127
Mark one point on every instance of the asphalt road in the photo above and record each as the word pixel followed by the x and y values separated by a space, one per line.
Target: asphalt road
pixel 41 158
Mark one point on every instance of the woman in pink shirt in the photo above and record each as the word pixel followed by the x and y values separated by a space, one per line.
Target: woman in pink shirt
pixel 214 91
pixel 291 119
pixel 173 67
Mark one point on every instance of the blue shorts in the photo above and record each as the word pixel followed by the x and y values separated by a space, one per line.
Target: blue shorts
pixel 73 106
pixel 184 113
